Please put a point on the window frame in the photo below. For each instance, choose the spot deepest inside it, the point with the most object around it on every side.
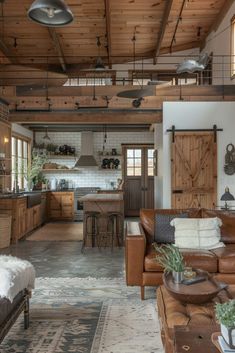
(23, 139)
(232, 48)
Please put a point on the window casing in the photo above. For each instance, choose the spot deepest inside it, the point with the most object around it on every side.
(20, 161)
(233, 47)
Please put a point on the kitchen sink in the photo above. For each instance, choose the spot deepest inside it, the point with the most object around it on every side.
(33, 199)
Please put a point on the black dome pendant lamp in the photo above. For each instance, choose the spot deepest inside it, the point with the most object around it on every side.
(51, 13)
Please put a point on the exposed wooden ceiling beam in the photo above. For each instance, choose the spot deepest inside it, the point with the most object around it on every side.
(7, 52)
(177, 24)
(166, 14)
(108, 31)
(57, 47)
(180, 47)
(107, 116)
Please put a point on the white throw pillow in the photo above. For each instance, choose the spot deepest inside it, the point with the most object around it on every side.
(197, 233)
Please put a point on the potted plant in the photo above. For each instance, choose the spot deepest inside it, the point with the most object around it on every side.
(225, 314)
(171, 260)
(34, 175)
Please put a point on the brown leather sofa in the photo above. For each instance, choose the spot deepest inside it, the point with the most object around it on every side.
(142, 269)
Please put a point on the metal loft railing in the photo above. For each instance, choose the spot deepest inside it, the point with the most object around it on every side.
(43, 72)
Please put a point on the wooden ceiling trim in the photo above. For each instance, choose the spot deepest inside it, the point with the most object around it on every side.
(57, 47)
(108, 31)
(167, 11)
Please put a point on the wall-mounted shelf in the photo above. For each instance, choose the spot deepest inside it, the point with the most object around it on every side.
(54, 156)
(110, 169)
(60, 170)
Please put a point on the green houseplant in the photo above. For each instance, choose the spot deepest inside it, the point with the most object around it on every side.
(225, 314)
(171, 259)
(34, 175)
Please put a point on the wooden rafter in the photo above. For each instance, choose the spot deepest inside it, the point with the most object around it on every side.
(57, 47)
(177, 24)
(108, 31)
(166, 14)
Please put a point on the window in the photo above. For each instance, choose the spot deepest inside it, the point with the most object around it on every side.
(134, 162)
(233, 47)
(20, 161)
(150, 161)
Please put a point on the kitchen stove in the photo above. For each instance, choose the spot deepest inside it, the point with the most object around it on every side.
(78, 206)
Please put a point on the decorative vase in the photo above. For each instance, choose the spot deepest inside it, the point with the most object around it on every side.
(178, 276)
(228, 334)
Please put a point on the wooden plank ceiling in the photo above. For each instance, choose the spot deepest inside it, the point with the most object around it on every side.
(153, 21)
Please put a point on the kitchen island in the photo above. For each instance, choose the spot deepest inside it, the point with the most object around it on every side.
(104, 204)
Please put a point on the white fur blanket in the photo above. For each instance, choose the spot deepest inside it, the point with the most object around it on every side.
(15, 275)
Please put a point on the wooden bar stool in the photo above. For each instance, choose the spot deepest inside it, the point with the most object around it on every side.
(115, 224)
(91, 228)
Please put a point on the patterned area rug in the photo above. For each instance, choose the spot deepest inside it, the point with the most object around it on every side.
(75, 315)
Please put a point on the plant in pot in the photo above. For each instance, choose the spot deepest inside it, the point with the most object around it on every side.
(34, 175)
(225, 314)
(171, 259)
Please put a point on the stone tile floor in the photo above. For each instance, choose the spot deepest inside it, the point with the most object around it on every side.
(64, 259)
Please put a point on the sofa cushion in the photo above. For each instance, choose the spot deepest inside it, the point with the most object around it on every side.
(228, 224)
(147, 217)
(226, 258)
(197, 233)
(164, 232)
(203, 259)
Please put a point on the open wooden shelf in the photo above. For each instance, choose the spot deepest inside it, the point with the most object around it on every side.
(60, 170)
(53, 156)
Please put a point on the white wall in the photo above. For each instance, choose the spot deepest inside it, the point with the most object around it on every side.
(198, 115)
(158, 180)
(93, 176)
(219, 42)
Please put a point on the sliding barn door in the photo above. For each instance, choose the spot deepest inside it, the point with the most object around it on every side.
(194, 170)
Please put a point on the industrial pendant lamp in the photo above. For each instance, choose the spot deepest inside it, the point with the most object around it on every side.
(46, 136)
(99, 66)
(51, 13)
(140, 92)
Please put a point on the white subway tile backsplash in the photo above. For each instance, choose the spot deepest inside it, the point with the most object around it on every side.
(93, 176)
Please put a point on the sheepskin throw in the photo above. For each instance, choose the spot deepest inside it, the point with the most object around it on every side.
(197, 233)
(15, 275)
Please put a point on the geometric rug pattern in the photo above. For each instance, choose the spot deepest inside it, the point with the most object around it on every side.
(87, 315)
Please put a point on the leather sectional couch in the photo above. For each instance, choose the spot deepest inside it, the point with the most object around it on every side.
(142, 269)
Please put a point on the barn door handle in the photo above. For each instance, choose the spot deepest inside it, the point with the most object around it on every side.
(177, 192)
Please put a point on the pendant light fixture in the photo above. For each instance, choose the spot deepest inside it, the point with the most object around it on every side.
(46, 136)
(99, 66)
(141, 92)
(51, 13)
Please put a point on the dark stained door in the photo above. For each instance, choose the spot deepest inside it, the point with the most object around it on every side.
(138, 178)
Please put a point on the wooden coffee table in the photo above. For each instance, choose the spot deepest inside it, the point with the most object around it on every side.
(194, 339)
(197, 293)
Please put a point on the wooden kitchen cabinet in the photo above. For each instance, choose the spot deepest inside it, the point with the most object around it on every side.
(43, 210)
(21, 217)
(61, 205)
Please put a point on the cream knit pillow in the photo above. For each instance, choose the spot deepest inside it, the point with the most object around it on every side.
(197, 233)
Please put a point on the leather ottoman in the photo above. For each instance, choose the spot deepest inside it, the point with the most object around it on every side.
(174, 313)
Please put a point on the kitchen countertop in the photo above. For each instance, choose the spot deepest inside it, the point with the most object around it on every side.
(102, 197)
(26, 193)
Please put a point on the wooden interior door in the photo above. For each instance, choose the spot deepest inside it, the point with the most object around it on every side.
(194, 170)
(138, 178)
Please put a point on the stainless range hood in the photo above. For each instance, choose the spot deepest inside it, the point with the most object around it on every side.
(86, 159)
